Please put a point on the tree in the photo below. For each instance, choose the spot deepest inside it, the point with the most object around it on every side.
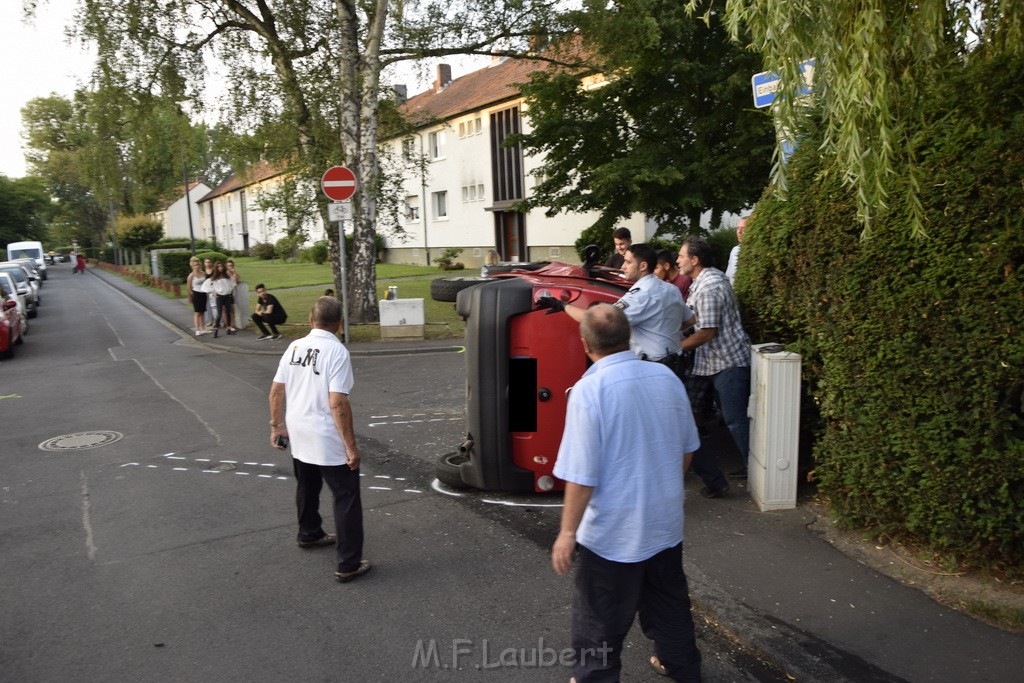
(24, 209)
(873, 64)
(136, 232)
(660, 122)
(312, 67)
(108, 150)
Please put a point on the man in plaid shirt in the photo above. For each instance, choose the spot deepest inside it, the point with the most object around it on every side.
(722, 356)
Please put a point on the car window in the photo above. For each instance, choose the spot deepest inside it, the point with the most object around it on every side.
(16, 272)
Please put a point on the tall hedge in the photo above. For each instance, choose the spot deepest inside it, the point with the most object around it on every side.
(914, 348)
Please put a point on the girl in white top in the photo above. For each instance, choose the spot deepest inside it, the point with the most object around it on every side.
(196, 296)
(223, 286)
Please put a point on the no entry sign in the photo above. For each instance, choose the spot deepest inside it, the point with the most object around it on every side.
(338, 183)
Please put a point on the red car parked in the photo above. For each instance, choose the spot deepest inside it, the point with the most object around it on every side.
(520, 362)
(10, 324)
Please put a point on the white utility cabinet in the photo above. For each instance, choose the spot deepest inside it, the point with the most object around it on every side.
(774, 427)
(401, 319)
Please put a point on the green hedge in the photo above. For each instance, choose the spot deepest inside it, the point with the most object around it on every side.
(914, 348)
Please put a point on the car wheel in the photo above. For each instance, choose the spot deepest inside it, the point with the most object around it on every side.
(21, 339)
(9, 353)
(33, 312)
(448, 472)
(448, 288)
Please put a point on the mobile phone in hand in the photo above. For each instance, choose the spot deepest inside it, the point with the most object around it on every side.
(281, 442)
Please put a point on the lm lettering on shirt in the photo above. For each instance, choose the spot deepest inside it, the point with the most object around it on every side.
(307, 360)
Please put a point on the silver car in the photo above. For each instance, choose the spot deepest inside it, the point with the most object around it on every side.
(24, 284)
(9, 289)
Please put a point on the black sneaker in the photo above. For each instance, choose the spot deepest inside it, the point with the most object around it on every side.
(276, 337)
(328, 539)
(709, 492)
(345, 577)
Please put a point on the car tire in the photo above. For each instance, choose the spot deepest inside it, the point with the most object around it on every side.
(448, 288)
(448, 472)
(33, 312)
(21, 339)
(9, 353)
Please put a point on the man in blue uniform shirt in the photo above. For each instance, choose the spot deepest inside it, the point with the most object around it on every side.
(654, 308)
(623, 460)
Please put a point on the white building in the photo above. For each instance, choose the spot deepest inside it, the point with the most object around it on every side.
(462, 197)
(175, 216)
(231, 212)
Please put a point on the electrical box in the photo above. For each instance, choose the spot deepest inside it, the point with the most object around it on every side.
(774, 426)
(401, 319)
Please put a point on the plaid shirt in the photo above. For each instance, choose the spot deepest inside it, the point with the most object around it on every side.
(714, 303)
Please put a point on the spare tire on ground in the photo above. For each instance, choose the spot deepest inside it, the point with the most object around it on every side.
(448, 288)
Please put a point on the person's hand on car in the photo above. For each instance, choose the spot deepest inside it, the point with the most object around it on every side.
(556, 305)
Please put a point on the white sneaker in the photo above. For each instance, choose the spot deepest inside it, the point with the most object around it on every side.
(264, 337)
(276, 336)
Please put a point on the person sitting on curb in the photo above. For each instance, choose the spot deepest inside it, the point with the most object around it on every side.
(269, 313)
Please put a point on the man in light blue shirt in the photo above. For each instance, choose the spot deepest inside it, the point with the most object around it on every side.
(623, 459)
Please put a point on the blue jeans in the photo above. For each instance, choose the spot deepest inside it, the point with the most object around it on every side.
(732, 390)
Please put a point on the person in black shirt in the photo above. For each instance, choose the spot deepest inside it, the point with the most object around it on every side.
(269, 313)
(622, 238)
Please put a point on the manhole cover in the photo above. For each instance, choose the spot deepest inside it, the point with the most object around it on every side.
(80, 441)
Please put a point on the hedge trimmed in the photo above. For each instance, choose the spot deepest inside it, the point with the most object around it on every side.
(914, 348)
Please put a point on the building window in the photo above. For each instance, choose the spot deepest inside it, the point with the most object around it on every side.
(478, 126)
(412, 209)
(506, 162)
(435, 142)
(440, 202)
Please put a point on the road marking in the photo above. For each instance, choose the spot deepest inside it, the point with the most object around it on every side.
(90, 545)
(184, 405)
(10, 396)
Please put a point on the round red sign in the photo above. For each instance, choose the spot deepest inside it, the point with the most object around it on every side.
(338, 183)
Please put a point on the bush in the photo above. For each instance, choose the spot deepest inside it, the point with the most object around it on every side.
(912, 346)
(263, 251)
(315, 254)
(287, 247)
(174, 265)
(447, 260)
(212, 255)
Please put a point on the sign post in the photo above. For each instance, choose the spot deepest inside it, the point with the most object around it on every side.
(339, 184)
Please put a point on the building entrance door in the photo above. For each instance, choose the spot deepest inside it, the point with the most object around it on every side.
(510, 235)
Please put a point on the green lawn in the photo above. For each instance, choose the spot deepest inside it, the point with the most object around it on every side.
(281, 277)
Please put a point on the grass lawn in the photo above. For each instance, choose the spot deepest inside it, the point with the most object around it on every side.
(280, 277)
(442, 322)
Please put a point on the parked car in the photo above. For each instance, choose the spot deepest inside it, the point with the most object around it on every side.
(10, 324)
(24, 285)
(32, 268)
(8, 285)
(520, 364)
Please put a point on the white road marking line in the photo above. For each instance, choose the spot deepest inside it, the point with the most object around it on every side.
(436, 485)
(250, 463)
(246, 474)
(90, 545)
(129, 464)
(212, 471)
(379, 488)
(510, 503)
(174, 457)
(266, 464)
(153, 467)
(180, 469)
(265, 476)
(202, 460)
(411, 491)
(168, 454)
(233, 462)
(381, 476)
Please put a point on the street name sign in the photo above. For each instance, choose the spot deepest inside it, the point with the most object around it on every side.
(766, 84)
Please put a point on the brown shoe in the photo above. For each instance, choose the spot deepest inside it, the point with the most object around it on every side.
(328, 539)
(345, 577)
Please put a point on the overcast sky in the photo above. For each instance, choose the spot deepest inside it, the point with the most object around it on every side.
(35, 60)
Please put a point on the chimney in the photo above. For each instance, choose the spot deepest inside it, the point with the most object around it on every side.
(401, 93)
(444, 77)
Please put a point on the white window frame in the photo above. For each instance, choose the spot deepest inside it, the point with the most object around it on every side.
(439, 205)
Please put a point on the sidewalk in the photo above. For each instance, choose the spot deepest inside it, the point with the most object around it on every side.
(768, 577)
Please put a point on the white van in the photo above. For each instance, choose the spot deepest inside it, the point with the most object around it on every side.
(32, 250)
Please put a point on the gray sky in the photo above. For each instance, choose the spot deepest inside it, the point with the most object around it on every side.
(35, 60)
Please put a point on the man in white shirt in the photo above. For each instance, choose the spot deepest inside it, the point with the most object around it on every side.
(314, 378)
(734, 255)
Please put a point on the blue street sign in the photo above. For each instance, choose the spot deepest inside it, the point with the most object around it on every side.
(766, 84)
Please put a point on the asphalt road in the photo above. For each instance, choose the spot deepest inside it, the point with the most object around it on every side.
(154, 541)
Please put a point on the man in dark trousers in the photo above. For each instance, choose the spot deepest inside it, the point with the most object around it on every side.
(269, 313)
(314, 378)
(623, 458)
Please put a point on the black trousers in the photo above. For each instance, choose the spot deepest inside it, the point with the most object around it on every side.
(273, 320)
(348, 508)
(606, 598)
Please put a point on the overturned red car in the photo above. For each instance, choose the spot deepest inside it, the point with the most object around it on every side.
(520, 363)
